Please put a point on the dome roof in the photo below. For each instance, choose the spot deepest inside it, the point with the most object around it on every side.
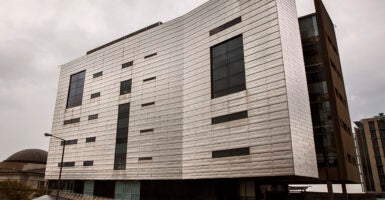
(29, 156)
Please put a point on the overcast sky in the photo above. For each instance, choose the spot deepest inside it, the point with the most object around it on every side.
(36, 36)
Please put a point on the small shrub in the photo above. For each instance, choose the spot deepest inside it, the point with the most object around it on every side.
(40, 192)
(14, 190)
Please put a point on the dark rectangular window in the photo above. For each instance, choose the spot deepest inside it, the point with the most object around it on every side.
(94, 95)
(121, 137)
(67, 164)
(227, 67)
(125, 87)
(127, 64)
(75, 91)
(226, 26)
(149, 79)
(90, 139)
(92, 117)
(98, 74)
(381, 124)
(371, 125)
(71, 121)
(148, 104)
(88, 163)
(146, 130)
(69, 142)
(151, 55)
(145, 158)
(231, 152)
(229, 117)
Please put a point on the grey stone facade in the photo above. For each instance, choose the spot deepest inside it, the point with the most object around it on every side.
(278, 128)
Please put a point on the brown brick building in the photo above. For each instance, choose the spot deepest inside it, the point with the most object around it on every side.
(330, 112)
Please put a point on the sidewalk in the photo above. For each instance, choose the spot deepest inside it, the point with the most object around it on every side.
(49, 197)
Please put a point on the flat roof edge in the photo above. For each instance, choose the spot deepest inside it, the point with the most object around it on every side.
(125, 37)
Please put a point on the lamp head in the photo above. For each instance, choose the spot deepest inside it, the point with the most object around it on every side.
(47, 134)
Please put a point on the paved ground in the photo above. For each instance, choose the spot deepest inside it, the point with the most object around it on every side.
(48, 197)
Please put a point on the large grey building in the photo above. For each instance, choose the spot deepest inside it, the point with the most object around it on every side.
(212, 104)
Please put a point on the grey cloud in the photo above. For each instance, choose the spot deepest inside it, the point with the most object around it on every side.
(36, 36)
(360, 32)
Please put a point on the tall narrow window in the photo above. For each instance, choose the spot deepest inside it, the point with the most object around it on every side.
(125, 87)
(227, 67)
(75, 92)
(121, 137)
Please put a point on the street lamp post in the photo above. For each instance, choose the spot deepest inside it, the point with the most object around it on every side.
(61, 162)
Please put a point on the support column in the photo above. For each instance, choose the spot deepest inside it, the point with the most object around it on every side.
(330, 190)
(344, 190)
